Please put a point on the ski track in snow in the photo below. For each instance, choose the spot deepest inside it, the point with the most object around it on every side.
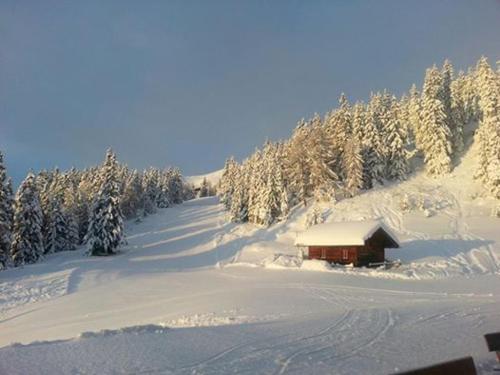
(26, 291)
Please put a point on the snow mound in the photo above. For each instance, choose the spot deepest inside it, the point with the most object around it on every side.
(134, 330)
(214, 320)
(282, 261)
(315, 265)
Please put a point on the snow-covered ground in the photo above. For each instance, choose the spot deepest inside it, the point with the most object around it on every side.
(192, 293)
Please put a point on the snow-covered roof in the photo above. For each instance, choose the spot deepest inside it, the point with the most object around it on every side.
(342, 233)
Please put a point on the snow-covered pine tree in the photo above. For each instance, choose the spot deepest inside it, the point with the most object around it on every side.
(373, 144)
(105, 233)
(204, 188)
(414, 119)
(471, 96)
(257, 183)
(175, 185)
(353, 153)
(404, 120)
(459, 110)
(267, 197)
(70, 181)
(163, 198)
(397, 167)
(353, 162)
(297, 166)
(446, 99)
(55, 229)
(384, 109)
(55, 238)
(6, 215)
(153, 188)
(43, 182)
(27, 238)
(226, 184)
(435, 136)
(82, 207)
(320, 158)
(488, 133)
(188, 192)
(364, 130)
(338, 127)
(151, 191)
(132, 198)
(314, 217)
(148, 204)
(282, 182)
(72, 234)
(238, 211)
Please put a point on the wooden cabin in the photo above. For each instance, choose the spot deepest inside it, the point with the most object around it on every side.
(356, 242)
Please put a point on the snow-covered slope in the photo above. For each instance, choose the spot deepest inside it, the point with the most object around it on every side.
(213, 178)
(445, 226)
(192, 293)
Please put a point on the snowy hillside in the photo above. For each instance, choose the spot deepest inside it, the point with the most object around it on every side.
(213, 178)
(192, 293)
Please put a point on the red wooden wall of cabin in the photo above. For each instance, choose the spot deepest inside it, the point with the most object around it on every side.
(357, 255)
(335, 254)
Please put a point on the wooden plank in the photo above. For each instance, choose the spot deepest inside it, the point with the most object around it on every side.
(462, 366)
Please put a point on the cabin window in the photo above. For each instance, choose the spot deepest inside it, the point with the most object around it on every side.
(345, 254)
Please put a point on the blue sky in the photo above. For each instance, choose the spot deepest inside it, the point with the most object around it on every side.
(189, 83)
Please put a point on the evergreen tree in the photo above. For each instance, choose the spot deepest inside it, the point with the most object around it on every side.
(55, 238)
(436, 135)
(488, 134)
(257, 182)
(204, 188)
(163, 198)
(338, 127)
(132, 201)
(238, 211)
(227, 182)
(297, 166)
(446, 99)
(27, 239)
(372, 141)
(105, 233)
(459, 110)
(268, 197)
(315, 217)
(6, 215)
(175, 185)
(69, 195)
(281, 181)
(151, 191)
(414, 117)
(320, 158)
(396, 138)
(82, 210)
(353, 153)
(354, 167)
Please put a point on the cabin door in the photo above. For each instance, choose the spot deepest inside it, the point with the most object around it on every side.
(323, 253)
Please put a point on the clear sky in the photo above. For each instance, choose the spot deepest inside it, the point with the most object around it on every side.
(188, 83)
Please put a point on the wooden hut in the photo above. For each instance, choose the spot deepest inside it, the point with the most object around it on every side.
(356, 242)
